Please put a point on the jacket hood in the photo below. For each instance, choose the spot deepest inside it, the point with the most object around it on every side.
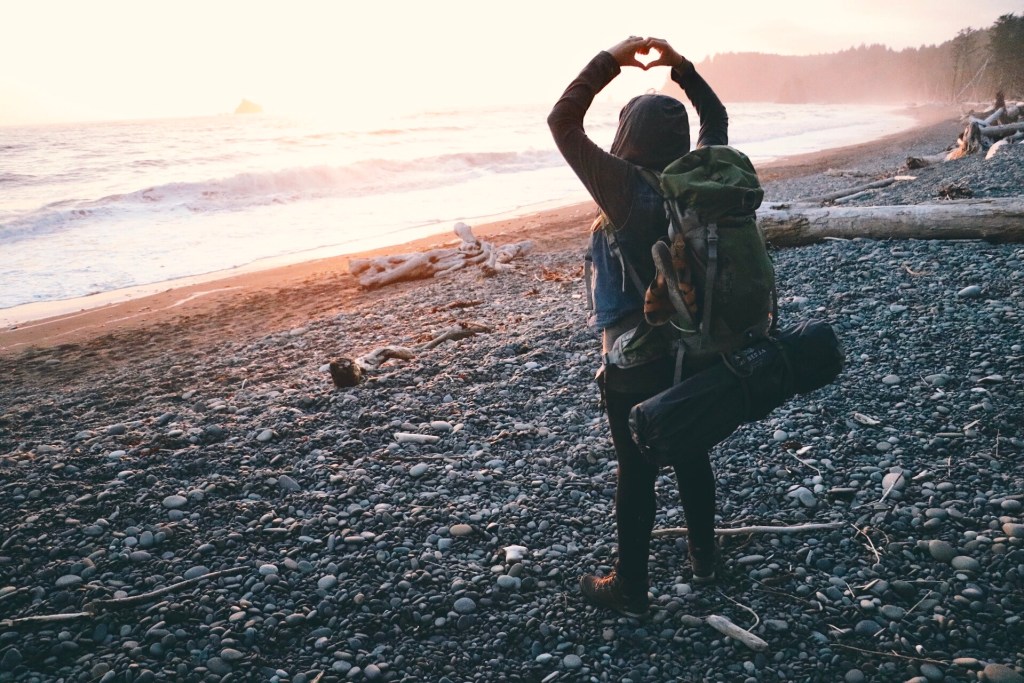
(654, 131)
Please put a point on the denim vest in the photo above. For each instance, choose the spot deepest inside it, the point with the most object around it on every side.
(615, 295)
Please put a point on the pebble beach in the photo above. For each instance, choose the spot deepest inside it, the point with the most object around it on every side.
(430, 524)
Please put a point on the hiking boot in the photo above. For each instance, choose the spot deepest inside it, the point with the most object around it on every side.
(611, 592)
(702, 562)
(680, 292)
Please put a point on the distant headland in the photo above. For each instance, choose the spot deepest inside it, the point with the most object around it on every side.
(247, 107)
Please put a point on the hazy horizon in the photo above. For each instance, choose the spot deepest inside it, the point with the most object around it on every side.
(124, 60)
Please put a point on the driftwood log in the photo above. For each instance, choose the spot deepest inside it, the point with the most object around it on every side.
(385, 270)
(1003, 122)
(348, 372)
(724, 626)
(996, 220)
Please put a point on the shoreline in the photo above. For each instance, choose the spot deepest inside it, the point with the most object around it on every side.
(79, 320)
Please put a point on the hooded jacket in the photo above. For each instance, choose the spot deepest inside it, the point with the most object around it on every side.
(653, 131)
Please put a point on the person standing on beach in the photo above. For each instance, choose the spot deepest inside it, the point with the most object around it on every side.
(653, 131)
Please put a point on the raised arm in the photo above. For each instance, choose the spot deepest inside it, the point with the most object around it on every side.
(714, 120)
(604, 175)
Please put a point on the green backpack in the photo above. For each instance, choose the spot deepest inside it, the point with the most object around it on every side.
(710, 196)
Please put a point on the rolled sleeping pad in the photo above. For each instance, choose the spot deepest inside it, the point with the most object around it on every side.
(695, 415)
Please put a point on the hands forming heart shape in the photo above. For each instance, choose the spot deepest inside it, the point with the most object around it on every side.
(645, 53)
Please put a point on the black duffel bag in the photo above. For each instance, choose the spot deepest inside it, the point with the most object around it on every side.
(702, 410)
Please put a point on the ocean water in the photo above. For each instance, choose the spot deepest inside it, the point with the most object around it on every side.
(98, 207)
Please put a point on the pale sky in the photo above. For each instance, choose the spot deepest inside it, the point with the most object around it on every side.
(80, 60)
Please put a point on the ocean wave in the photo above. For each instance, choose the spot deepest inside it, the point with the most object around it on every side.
(262, 188)
(14, 178)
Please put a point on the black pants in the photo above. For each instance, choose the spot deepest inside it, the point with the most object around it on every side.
(635, 500)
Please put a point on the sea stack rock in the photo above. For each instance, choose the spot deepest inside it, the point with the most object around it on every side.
(247, 107)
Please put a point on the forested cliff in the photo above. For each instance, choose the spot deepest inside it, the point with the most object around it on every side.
(970, 67)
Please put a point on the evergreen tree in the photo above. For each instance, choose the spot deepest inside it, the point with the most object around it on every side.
(1006, 49)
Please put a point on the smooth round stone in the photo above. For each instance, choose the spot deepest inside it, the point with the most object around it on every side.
(867, 627)
(805, 497)
(288, 484)
(965, 563)
(883, 446)
(327, 582)
(459, 530)
(854, 676)
(507, 582)
(999, 673)
(780, 435)
(267, 569)
(1013, 530)
(465, 606)
(894, 480)
(938, 379)
(218, 666)
(230, 654)
(194, 572)
(891, 380)
(931, 672)
(969, 292)
(418, 470)
(1011, 505)
(175, 502)
(893, 612)
(941, 551)
(265, 435)
(372, 672)
(68, 581)
(572, 662)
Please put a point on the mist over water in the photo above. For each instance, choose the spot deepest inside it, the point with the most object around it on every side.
(98, 207)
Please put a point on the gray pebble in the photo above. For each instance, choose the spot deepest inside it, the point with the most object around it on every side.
(572, 662)
(1000, 673)
(68, 581)
(941, 550)
(969, 292)
(965, 563)
(175, 502)
(465, 606)
(287, 483)
(1013, 530)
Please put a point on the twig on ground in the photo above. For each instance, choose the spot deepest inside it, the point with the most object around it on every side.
(885, 493)
(726, 627)
(871, 544)
(891, 654)
(743, 530)
(757, 619)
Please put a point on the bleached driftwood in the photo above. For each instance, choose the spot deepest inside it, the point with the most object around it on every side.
(997, 219)
(726, 627)
(348, 372)
(412, 437)
(378, 272)
(979, 134)
(374, 359)
(99, 606)
(744, 530)
(877, 184)
(460, 331)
